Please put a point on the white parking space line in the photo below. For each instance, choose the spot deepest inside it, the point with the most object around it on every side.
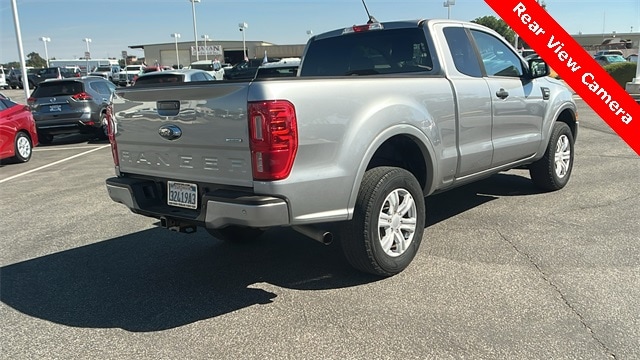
(53, 163)
(56, 148)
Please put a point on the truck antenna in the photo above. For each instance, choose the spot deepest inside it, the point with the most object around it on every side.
(371, 18)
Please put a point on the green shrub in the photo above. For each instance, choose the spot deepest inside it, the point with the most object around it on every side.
(622, 72)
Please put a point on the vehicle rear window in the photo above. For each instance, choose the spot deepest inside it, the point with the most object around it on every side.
(160, 79)
(369, 53)
(58, 88)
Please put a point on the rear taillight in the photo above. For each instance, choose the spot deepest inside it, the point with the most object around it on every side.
(81, 96)
(31, 100)
(273, 138)
(111, 132)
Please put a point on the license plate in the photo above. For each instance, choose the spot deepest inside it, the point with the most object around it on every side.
(183, 195)
(53, 108)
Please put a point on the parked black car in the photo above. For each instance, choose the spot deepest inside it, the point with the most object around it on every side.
(14, 77)
(73, 105)
(246, 69)
(43, 74)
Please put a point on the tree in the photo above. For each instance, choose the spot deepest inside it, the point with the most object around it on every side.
(498, 25)
(34, 59)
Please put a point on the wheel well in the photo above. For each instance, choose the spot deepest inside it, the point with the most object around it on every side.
(403, 152)
(568, 117)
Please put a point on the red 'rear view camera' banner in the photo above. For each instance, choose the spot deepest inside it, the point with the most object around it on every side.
(574, 65)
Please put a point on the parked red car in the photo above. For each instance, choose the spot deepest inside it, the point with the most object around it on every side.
(18, 134)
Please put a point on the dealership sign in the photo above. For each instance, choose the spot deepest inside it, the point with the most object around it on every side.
(574, 65)
(207, 50)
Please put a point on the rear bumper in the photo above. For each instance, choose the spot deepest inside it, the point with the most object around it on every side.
(72, 126)
(217, 209)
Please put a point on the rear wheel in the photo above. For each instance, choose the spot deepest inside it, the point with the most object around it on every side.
(388, 222)
(23, 147)
(553, 170)
(103, 132)
(236, 234)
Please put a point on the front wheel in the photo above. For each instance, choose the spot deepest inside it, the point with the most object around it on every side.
(553, 170)
(388, 222)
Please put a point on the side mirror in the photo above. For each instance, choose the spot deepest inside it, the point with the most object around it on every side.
(538, 68)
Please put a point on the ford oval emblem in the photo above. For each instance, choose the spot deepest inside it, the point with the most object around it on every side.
(170, 132)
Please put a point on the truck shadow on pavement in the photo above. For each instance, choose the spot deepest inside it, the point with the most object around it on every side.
(155, 279)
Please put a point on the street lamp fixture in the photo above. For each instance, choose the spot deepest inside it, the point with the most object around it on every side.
(45, 40)
(448, 4)
(205, 37)
(88, 54)
(310, 33)
(176, 36)
(195, 31)
(243, 26)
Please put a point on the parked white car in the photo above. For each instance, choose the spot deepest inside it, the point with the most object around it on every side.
(130, 72)
(3, 79)
(213, 67)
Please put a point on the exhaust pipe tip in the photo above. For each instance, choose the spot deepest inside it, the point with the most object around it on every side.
(322, 236)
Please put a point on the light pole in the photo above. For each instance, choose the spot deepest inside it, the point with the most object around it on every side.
(205, 37)
(87, 55)
(45, 40)
(176, 36)
(87, 40)
(243, 26)
(310, 33)
(448, 4)
(195, 31)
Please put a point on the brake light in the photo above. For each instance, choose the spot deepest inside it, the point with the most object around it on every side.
(111, 133)
(273, 138)
(363, 28)
(81, 96)
(31, 100)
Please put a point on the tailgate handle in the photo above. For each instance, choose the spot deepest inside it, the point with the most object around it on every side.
(168, 108)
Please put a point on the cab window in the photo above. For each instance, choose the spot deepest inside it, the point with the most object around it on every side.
(497, 57)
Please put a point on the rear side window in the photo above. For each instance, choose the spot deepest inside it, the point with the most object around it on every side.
(58, 88)
(369, 53)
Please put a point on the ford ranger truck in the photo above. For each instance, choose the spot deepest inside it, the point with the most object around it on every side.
(378, 117)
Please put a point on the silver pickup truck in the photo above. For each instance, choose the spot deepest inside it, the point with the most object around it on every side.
(380, 116)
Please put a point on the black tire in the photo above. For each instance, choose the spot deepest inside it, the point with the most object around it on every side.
(45, 139)
(553, 170)
(103, 132)
(236, 234)
(23, 147)
(361, 239)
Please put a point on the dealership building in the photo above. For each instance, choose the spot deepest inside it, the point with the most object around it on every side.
(226, 51)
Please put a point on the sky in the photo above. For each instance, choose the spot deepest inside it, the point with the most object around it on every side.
(114, 25)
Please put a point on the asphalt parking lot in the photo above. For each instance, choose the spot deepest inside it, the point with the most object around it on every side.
(504, 272)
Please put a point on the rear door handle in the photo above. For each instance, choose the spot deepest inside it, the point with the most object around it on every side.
(502, 93)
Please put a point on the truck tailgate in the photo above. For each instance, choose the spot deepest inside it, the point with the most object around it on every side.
(197, 132)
